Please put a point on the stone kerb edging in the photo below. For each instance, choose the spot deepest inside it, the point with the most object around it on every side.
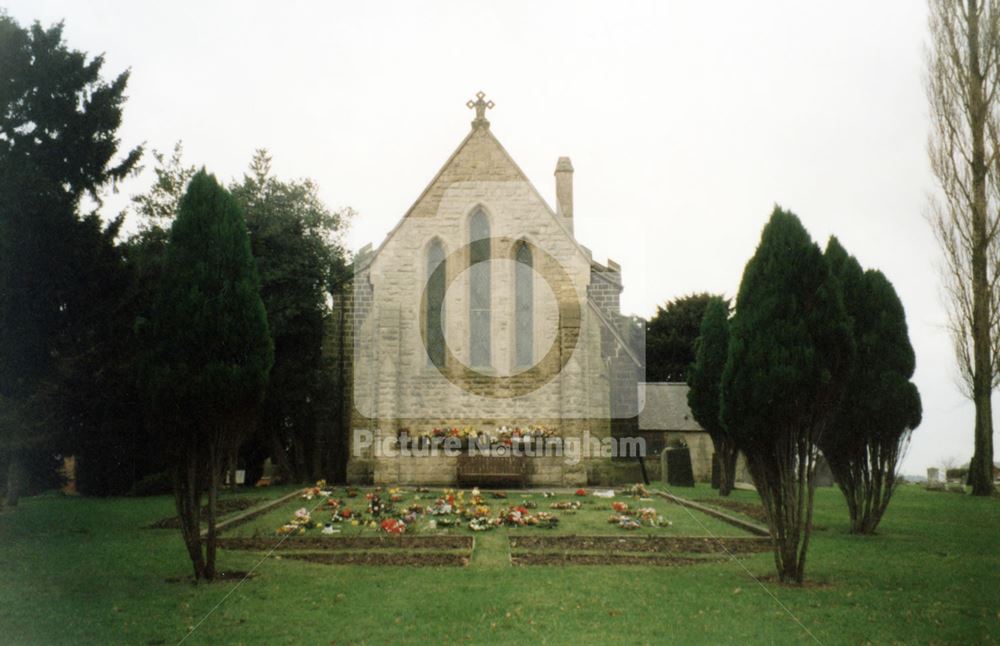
(745, 525)
(253, 512)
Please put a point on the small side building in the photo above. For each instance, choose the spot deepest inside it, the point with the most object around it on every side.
(664, 418)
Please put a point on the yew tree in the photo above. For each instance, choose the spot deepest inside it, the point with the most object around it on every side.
(59, 120)
(790, 350)
(670, 336)
(210, 353)
(881, 407)
(705, 380)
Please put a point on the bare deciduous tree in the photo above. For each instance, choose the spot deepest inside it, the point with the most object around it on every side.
(963, 82)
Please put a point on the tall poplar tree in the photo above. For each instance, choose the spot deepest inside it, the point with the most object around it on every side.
(964, 92)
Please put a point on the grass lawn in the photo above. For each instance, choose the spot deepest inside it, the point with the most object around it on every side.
(76, 570)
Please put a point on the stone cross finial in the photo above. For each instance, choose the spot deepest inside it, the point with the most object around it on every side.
(481, 107)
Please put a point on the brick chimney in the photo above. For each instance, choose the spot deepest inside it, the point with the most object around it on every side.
(564, 191)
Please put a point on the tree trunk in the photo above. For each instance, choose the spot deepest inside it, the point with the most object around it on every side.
(15, 479)
(187, 499)
(214, 470)
(727, 466)
(278, 454)
(981, 466)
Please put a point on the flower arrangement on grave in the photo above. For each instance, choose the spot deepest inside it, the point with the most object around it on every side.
(300, 522)
(507, 435)
(581, 492)
(440, 433)
(515, 516)
(441, 507)
(375, 507)
(475, 511)
(393, 526)
(484, 524)
(638, 490)
(319, 490)
(620, 507)
(290, 529)
(565, 504)
(651, 517)
(542, 519)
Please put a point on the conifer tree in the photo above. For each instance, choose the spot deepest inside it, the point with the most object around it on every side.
(705, 379)
(210, 352)
(58, 143)
(881, 406)
(789, 353)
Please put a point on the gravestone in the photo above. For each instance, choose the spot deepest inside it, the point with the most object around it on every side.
(824, 476)
(934, 481)
(677, 469)
(268, 477)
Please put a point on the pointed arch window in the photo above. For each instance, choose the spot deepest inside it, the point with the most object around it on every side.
(435, 303)
(479, 290)
(524, 293)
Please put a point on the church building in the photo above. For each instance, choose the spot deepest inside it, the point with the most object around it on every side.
(481, 317)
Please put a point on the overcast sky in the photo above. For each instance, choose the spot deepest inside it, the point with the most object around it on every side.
(686, 123)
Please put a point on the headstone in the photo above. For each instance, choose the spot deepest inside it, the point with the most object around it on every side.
(267, 477)
(934, 481)
(679, 472)
(824, 476)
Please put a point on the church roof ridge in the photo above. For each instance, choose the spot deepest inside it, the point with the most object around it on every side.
(478, 127)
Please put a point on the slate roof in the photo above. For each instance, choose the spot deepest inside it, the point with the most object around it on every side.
(664, 407)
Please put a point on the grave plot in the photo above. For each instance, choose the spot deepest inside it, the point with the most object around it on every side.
(421, 551)
(420, 526)
(632, 550)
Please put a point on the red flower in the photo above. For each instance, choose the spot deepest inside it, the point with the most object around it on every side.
(393, 526)
(345, 513)
(581, 492)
